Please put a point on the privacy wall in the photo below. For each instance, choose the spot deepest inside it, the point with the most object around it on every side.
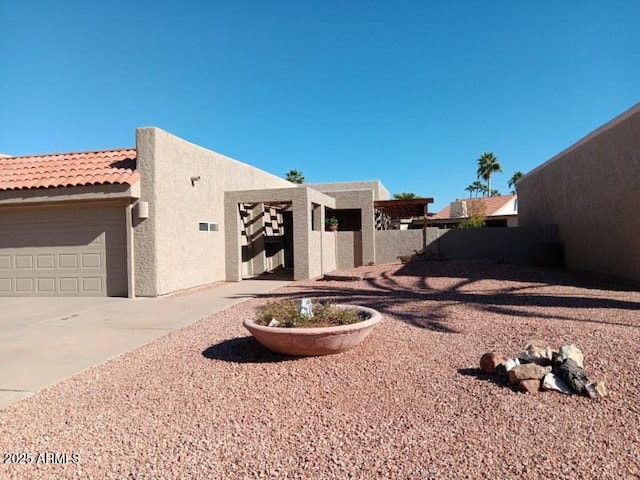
(592, 192)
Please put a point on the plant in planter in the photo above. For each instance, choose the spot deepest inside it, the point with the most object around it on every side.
(303, 329)
(332, 223)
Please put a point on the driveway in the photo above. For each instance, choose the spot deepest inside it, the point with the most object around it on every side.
(45, 340)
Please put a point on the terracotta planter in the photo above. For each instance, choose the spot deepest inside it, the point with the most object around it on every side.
(332, 228)
(315, 341)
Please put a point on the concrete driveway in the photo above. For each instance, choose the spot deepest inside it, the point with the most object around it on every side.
(45, 340)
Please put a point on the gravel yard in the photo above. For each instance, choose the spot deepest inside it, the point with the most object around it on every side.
(207, 402)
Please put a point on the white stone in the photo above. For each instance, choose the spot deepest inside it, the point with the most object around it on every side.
(553, 382)
(573, 352)
(273, 323)
(512, 362)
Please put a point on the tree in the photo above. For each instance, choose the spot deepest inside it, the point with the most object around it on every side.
(294, 176)
(513, 180)
(477, 187)
(495, 193)
(487, 165)
(476, 214)
(404, 196)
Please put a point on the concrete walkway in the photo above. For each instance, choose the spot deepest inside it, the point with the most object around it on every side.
(45, 340)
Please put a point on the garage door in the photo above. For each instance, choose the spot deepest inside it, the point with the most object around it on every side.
(63, 252)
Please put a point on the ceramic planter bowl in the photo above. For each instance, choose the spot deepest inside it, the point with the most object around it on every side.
(315, 341)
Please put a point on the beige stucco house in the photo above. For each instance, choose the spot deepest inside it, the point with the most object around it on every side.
(168, 216)
(590, 191)
(499, 211)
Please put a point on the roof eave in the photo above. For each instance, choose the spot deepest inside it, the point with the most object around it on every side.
(70, 194)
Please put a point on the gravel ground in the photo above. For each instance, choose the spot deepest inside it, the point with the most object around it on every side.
(208, 402)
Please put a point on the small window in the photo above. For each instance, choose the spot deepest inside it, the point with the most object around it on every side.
(213, 227)
(203, 226)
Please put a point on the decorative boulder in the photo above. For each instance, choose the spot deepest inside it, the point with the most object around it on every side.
(512, 362)
(572, 352)
(553, 382)
(490, 361)
(601, 389)
(538, 351)
(528, 371)
(529, 386)
(573, 376)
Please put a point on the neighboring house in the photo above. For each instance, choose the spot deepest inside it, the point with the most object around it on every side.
(168, 216)
(500, 211)
(590, 191)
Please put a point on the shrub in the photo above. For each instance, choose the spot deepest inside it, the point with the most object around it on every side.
(324, 315)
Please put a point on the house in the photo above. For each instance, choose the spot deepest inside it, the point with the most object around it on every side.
(499, 211)
(590, 191)
(168, 216)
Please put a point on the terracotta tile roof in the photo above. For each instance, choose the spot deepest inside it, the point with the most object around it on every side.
(491, 205)
(69, 170)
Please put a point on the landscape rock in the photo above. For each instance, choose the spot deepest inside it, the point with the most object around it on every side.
(512, 362)
(538, 351)
(601, 388)
(573, 375)
(553, 382)
(571, 352)
(273, 323)
(490, 361)
(528, 371)
(529, 386)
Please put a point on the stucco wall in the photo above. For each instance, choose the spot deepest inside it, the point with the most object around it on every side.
(329, 254)
(512, 244)
(379, 190)
(171, 253)
(591, 191)
(349, 249)
(363, 200)
(315, 261)
(391, 244)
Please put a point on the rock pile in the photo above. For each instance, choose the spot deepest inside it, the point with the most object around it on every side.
(541, 367)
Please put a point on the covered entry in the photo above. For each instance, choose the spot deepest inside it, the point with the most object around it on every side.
(254, 243)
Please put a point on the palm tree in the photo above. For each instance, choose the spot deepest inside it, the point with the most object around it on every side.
(477, 187)
(471, 189)
(404, 196)
(513, 180)
(294, 176)
(487, 165)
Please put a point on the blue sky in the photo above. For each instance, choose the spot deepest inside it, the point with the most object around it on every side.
(410, 93)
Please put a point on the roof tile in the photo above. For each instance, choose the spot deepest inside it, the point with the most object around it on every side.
(491, 205)
(69, 170)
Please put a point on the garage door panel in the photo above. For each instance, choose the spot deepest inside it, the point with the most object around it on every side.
(25, 285)
(24, 262)
(45, 261)
(92, 284)
(77, 254)
(46, 285)
(92, 260)
(5, 285)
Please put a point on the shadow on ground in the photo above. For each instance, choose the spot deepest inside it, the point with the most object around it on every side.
(243, 350)
(485, 377)
(524, 287)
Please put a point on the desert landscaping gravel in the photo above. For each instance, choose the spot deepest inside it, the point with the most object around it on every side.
(207, 402)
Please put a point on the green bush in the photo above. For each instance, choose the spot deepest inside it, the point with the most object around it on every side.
(324, 315)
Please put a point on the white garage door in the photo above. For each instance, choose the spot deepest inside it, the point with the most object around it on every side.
(77, 251)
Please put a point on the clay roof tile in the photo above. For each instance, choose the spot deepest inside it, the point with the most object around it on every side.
(69, 169)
